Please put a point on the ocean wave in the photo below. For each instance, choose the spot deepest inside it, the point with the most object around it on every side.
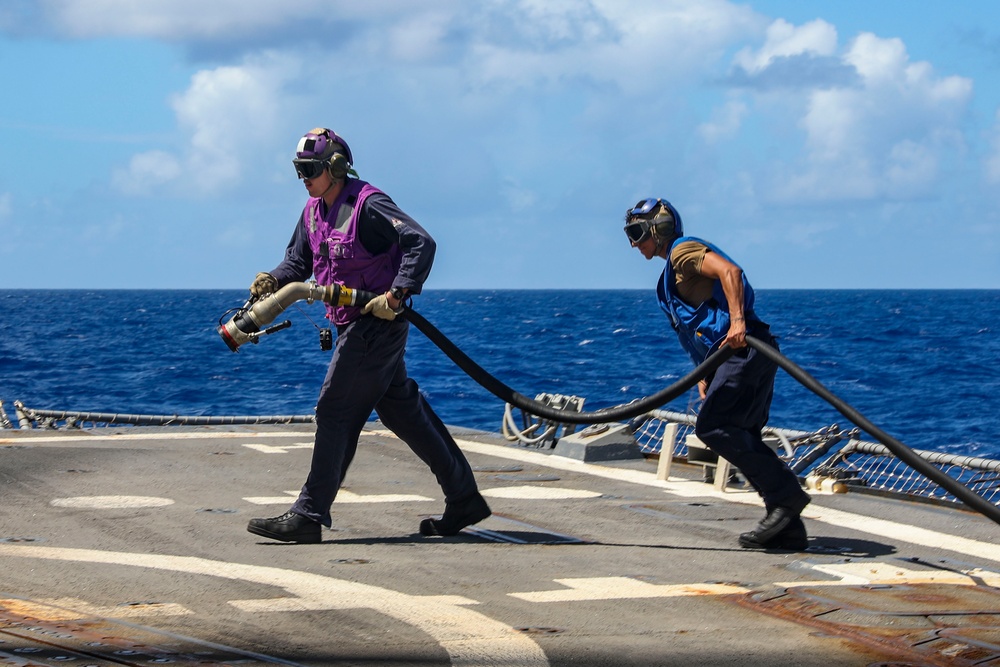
(157, 351)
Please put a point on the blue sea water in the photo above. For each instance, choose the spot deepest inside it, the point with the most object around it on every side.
(920, 364)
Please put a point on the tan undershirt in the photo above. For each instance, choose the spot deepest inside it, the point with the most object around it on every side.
(686, 258)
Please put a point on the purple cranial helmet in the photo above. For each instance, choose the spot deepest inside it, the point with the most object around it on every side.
(320, 144)
(321, 149)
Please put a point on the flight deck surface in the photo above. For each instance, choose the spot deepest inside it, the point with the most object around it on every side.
(128, 546)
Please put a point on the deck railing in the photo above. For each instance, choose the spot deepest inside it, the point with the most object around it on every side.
(830, 458)
(835, 459)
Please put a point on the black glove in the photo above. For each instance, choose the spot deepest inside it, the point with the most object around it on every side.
(263, 284)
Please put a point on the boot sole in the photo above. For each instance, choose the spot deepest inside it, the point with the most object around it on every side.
(780, 543)
(432, 527)
(298, 539)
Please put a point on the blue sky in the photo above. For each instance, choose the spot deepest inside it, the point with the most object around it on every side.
(147, 144)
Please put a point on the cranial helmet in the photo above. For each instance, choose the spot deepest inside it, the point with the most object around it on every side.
(322, 149)
(656, 217)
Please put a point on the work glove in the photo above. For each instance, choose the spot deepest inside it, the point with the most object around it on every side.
(263, 284)
(379, 307)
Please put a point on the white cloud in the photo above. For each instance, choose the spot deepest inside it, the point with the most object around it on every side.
(147, 171)
(725, 122)
(225, 114)
(468, 65)
(6, 212)
(992, 165)
(419, 37)
(544, 91)
(911, 167)
(223, 111)
(220, 19)
(638, 47)
(816, 38)
(884, 134)
(877, 60)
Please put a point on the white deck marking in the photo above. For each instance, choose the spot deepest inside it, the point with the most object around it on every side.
(70, 609)
(861, 574)
(903, 532)
(538, 493)
(848, 574)
(469, 637)
(122, 434)
(882, 528)
(451, 599)
(289, 497)
(269, 500)
(623, 588)
(278, 449)
(111, 502)
(343, 496)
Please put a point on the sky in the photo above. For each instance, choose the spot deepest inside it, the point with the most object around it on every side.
(147, 144)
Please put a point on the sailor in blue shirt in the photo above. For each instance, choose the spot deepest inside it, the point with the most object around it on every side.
(710, 303)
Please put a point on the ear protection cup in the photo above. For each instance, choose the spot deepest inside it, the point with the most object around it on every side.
(338, 166)
(338, 162)
(663, 225)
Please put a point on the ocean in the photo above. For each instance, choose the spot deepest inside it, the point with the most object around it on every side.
(920, 364)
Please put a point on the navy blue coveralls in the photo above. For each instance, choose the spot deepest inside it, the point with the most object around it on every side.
(367, 371)
(738, 400)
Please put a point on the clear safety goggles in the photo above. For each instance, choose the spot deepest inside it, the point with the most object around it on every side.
(638, 230)
(309, 168)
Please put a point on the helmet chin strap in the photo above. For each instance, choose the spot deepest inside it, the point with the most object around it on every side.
(333, 184)
(661, 243)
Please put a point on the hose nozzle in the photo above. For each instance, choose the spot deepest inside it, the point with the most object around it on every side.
(247, 324)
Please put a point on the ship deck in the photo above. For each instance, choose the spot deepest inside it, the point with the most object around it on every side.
(128, 546)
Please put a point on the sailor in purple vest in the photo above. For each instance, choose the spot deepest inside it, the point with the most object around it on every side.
(353, 234)
(710, 304)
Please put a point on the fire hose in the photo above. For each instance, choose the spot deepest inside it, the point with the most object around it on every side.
(247, 325)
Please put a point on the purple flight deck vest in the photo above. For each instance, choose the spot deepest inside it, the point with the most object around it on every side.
(338, 254)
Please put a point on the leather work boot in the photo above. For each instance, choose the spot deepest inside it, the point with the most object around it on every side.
(289, 527)
(781, 520)
(457, 516)
(792, 538)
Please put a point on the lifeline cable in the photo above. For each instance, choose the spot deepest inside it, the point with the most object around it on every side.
(641, 406)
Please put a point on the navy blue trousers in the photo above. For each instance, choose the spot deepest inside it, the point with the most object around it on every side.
(368, 372)
(736, 408)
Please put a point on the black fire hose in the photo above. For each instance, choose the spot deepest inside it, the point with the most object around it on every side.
(641, 406)
(899, 450)
(602, 416)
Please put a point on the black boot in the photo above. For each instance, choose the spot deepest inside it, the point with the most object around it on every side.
(289, 527)
(792, 538)
(781, 528)
(457, 515)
